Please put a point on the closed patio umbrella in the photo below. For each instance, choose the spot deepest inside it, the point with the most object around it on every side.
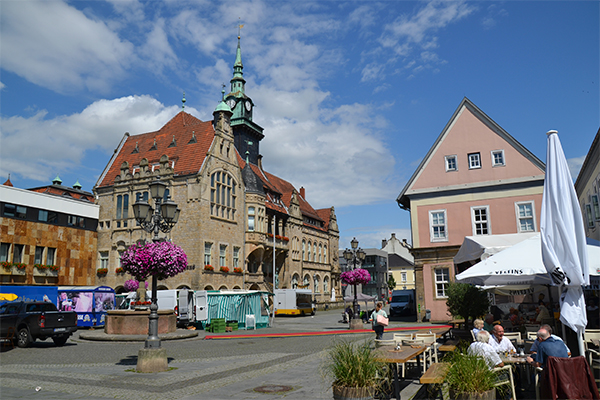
(563, 241)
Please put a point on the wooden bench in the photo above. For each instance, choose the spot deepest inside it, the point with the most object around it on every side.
(449, 345)
(436, 375)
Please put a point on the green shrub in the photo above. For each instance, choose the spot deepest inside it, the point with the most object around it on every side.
(353, 365)
(469, 373)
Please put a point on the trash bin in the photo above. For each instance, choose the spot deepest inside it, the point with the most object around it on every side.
(427, 315)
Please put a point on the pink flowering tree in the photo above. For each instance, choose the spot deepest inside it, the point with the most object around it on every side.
(131, 285)
(161, 260)
(357, 276)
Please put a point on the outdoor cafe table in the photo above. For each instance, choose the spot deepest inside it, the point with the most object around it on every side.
(390, 355)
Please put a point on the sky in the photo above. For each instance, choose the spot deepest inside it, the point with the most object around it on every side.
(351, 94)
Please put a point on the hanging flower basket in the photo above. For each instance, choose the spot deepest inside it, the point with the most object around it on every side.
(131, 285)
(224, 269)
(119, 270)
(162, 259)
(357, 276)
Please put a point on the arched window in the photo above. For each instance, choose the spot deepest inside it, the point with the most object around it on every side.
(306, 281)
(317, 288)
(315, 253)
(303, 250)
(222, 195)
(326, 284)
(320, 252)
(295, 279)
(325, 254)
(309, 252)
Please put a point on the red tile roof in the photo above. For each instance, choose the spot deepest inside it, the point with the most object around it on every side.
(60, 190)
(284, 189)
(188, 156)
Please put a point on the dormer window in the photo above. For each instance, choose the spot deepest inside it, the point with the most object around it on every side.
(474, 160)
(497, 158)
(451, 163)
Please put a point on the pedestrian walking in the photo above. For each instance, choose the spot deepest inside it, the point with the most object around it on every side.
(379, 319)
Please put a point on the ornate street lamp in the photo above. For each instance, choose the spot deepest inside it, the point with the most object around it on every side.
(354, 256)
(162, 218)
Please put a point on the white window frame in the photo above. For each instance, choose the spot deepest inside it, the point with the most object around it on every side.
(472, 157)
(519, 218)
(251, 219)
(432, 237)
(236, 257)
(446, 162)
(487, 220)
(222, 255)
(207, 253)
(443, 282)
(494, 163)
(403, 277)
(104, 259)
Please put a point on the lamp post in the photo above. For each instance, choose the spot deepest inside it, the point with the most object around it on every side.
(162, 218)
(354, 256)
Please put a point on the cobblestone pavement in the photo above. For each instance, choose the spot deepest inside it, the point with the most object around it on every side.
(256, 368)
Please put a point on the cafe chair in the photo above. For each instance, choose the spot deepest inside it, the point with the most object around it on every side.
(532, 327)
(513, 335)
(593, 357)
(426, 355)
(532, 335)
(430, 339)
(473, 335)
(507, 379)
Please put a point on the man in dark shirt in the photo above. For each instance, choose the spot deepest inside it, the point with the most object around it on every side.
(548, 346)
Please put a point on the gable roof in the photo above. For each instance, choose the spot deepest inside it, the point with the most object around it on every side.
(284, 190)
(184, 139)
(466, 104)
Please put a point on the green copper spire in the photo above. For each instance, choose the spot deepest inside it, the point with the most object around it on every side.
(237, 82)
(57, 180)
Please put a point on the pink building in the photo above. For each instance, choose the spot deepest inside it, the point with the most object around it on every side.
(476, 179)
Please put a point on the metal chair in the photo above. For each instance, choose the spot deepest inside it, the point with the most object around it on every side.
(508, 381)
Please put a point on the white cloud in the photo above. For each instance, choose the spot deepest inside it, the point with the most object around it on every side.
(56, 46)
(575, 165)
(60, 144)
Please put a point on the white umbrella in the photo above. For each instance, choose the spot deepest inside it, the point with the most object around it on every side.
(563, 237)
(520, 264)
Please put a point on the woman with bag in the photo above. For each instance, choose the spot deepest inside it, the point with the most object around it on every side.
(379, 319)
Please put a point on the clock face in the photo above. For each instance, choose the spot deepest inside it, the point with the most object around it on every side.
(231, 103)
(248, 105)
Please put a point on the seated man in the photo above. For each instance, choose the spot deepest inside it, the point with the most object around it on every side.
(534, 346)
(498, 342)
(548, 346)
(482, 348)
(542, 313)
(488, 324)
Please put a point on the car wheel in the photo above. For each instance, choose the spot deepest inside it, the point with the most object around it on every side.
(60, 340)
(23, 338)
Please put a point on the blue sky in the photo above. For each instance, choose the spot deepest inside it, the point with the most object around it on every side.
(352, 94)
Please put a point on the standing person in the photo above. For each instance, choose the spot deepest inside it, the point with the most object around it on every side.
(376, 326)
(498, 342)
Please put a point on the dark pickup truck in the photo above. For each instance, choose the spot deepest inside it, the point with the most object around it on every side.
(37, 320)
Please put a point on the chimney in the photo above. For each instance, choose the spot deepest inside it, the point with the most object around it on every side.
(303, 193)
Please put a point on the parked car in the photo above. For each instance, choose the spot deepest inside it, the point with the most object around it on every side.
(403, 303)
(37, 320)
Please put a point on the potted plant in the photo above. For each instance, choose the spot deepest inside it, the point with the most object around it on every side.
(41, 267)
(53, 268)
(469, 377)
(102, 271)
(237, 270)
(7, 265)
(355, 371)
(224, 269)
(209, 267)
(119, 270)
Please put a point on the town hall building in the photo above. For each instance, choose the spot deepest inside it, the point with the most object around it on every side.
(240, 226)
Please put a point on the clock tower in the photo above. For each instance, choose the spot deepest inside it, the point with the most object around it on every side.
(247, 134)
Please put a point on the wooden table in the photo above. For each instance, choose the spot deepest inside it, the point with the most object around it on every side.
(390, 355)
(449, 345)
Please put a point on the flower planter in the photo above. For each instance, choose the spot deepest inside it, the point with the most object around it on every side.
(17, 271)
(343, 393)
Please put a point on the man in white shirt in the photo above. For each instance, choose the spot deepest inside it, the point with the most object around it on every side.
(498, 342)
(482, 348)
